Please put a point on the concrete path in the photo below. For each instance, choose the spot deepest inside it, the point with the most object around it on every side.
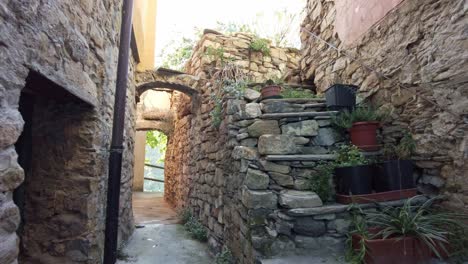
(164, 244)
(161, 240)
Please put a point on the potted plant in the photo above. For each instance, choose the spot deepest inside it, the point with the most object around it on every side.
(362, 124)
(396, 172)
(271, 89)
(407, 234)
(341, 97)
(353, 173)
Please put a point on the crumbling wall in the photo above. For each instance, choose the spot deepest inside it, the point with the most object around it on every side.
(200, 172)
(74, 45)
(422, 45)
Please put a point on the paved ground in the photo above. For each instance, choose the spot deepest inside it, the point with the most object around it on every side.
(161, 240)
(150, 208)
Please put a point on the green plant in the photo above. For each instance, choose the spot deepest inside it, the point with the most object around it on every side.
(184, 214)
(216, 54)
(260, 45)
(420, 221)
(321, 181)
(224, 257)
(156, 139)
(235, 88)
(217, 111)
(346, 119)
(403, 150)
(349, 155)
(196, 229)
(288, 92)
(360, 228)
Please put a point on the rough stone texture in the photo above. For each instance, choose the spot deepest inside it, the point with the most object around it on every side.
(299, 199)
(309, 226)
(256, 180)
(276, 144)
(262, 127)
(72, 46)
(303, 128)
(206, 167)
(420, 44)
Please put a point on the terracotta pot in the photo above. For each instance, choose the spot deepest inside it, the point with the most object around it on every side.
(364, 135)
(270, 92)
(407, 250)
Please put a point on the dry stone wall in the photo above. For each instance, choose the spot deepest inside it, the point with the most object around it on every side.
(200, 171)
(422, 45)
(72, 46)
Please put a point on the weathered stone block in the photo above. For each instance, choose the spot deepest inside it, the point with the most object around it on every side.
(302, 128)
(276, 144)
(249, 142)
(299, 199)
(241, 152)
(282, 179)
(262, 127)
(252, 110)
(251, 94)
(259, 199)
(326, 137)
(340, 225)
(11, 126)
(309, 226)
(273, 167)
(256, 180)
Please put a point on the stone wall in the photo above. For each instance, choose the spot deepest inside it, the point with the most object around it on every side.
(200, 171)
(422, 45)
(72, 48)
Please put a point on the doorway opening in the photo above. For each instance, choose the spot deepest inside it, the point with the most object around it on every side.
(54, 198)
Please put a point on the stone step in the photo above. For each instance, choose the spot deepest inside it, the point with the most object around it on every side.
(299, 199)
(305, 157)
(298, 114)
(296, 100)
(316, 105)
(340, 208)
(313, 257)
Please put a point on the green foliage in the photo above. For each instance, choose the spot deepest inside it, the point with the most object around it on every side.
(433, 227)
(403, 150)
(288, 92)
(216, 54)
(358, 227)
(225, 257)
(346, 119)
(184, 215)
(196, 229)
(179, 54)
(350, 155)
(260, 45)
(156, 139)
(235, 88)
(231, 27)
(321, 181)
(217, 111)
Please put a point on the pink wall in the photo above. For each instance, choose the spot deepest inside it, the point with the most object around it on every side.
(355, 17)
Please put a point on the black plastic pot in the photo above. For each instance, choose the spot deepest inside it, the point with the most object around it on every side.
(354, 180)
(341, 97)
(394, 175)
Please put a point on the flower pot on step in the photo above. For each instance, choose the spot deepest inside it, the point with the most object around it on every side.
(364, 135)
(394, 175)
(271, 92)
(401, 250)
(354, 180)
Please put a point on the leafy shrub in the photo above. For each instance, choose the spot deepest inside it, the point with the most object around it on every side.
(288, 92)
(346, 119)
(184, 215)
(235, 88)
(321, 181)
(260, 45)
(196, 229)
(349, 155)
(403, 150)
(217, 111)
(224, 257)
(216, 54)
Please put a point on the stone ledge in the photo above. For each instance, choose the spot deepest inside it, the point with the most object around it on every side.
(340, 208)
(307, 157)
(295, 100)
(297, 114)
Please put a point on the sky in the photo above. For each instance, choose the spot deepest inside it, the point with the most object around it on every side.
(178, 18)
